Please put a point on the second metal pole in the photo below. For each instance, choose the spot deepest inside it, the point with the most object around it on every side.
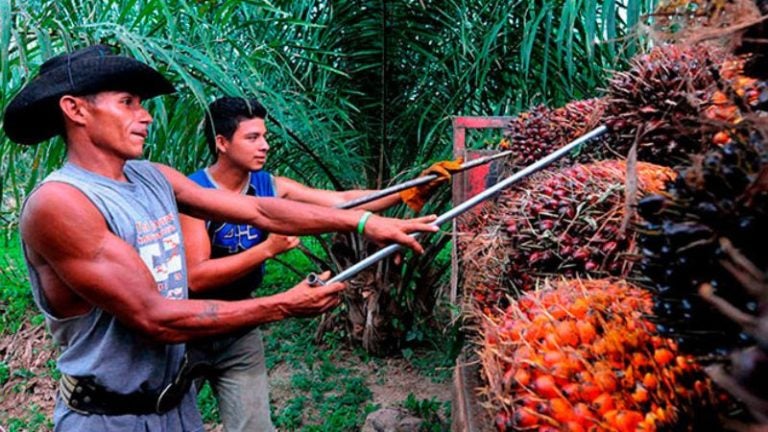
(466, 205)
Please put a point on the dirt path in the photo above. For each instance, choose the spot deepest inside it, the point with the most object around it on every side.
(27, 397)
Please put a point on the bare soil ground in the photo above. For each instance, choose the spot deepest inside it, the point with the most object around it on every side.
(390, 384)
(27, 355)
(30, 389)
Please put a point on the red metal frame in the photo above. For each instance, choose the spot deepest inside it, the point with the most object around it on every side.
(473, 181)
(470, 182)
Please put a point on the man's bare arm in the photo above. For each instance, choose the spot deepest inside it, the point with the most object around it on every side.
(288, 217)
(293, 190)
(66, 233)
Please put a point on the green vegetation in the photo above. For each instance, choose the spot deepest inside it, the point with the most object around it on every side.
(35, 420)
(207, 403)
(15, 297)
(429, 410)
(5, 373)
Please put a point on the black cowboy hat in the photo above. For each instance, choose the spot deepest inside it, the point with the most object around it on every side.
(34, 114)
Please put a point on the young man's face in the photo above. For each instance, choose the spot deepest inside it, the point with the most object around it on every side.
(118, 122)
(248, 147)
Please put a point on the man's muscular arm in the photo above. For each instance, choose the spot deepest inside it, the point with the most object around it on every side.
(84, 261)
(288, 217)
(295, 191)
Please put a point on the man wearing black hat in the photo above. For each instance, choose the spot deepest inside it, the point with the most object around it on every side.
(103, 247)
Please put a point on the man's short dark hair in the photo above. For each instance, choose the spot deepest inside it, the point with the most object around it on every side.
(225, 114)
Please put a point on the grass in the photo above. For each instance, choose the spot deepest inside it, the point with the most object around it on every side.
(16, 302)
(429, 410)
(35, 420)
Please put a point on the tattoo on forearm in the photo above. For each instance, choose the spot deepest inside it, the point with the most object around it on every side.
(211, 312)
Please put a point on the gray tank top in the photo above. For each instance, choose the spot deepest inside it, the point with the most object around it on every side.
(143, 212)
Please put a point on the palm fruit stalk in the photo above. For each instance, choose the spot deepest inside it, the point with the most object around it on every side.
(565, 222)
(660, 101)
(580, 355)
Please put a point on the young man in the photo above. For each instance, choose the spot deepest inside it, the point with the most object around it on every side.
(226, 260)
(103, 247)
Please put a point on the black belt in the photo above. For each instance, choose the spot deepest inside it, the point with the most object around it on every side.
(84, 395)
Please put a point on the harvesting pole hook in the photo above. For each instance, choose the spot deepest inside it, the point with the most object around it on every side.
(418, 181)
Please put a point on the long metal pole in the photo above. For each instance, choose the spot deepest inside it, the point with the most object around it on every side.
(417, 182)
(466, 205)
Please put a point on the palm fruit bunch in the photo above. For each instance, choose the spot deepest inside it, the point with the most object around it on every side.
(659, 103)
(540, 131)
(715, 210)
(581, 356)
(565, 222)
(737, 96)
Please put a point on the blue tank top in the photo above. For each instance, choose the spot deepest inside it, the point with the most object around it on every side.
(142, 212)
(231, 238)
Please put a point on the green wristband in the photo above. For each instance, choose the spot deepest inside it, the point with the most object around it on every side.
(363, 220)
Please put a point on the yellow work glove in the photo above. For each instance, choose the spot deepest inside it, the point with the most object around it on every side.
(416, 196)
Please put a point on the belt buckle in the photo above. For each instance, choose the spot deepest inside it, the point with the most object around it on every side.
(68, 387)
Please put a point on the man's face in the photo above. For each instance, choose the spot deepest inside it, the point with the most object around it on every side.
(248, 147)
(118, 122)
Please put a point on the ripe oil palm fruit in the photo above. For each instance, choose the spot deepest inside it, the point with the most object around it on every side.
(540, 131)
(581, 355)
(558, 222)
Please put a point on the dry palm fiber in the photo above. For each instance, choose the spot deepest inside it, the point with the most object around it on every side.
(484, 259)
(662, 100)
(580, 355)
(564, 222)
(723, 195)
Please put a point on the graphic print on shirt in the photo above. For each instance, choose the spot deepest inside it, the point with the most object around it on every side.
(160, 249)
(235, 238)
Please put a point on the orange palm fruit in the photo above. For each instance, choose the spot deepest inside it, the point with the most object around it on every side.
(627, 378)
